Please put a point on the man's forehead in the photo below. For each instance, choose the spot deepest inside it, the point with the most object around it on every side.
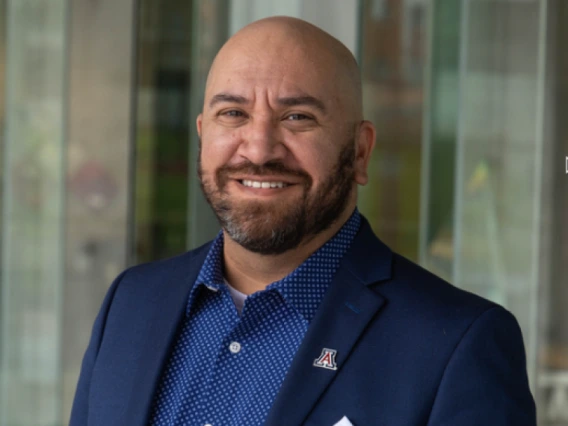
(277, 85)
(272, 65)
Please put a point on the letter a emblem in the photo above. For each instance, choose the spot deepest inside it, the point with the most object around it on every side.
(326, 359)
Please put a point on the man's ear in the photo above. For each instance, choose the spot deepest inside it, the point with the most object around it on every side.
(199, 122)
(363, 149)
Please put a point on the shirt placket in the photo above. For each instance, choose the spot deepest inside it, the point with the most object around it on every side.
(234, 359)
(210, 408)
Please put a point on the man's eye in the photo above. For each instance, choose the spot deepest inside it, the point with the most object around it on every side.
(297, 117)
(232, 113)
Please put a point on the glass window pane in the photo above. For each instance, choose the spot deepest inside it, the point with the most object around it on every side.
(162, 128)
(32, 200)
(438, 186)
(552, 366)
(393, 55)
(498, 155)
(98, 165)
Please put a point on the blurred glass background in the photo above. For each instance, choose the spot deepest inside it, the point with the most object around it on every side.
(98, 156)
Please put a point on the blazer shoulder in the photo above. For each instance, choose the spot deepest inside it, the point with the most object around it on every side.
(425, 296)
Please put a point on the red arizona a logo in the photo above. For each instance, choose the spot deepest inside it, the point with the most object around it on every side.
(326, 359)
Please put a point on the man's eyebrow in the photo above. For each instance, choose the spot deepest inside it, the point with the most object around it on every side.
(302, 100)
(227, 97)
(287, 101)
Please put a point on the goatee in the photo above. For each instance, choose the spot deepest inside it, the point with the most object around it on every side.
(274, 228)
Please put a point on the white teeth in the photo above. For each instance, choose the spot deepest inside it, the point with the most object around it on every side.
(257, 184)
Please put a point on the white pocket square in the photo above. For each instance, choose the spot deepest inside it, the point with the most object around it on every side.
(344, 422)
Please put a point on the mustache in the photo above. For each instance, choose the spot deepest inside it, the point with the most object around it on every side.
(270, 168)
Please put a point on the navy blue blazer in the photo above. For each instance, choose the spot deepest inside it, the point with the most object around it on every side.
(411, 349)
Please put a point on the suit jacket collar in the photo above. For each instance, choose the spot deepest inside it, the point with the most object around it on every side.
(348, 306)
(369, 260)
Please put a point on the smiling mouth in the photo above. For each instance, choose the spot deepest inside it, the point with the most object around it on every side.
(264, 185)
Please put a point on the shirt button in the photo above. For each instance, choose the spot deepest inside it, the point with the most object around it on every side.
(208, 424)
(235, 347)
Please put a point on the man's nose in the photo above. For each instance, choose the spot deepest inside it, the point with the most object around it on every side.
(262, 141)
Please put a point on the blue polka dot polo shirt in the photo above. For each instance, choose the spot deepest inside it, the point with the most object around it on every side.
(226, 369)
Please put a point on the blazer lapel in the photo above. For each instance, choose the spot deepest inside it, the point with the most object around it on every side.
(347, 308)
(167, 312)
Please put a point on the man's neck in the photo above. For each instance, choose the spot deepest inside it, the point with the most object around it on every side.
(250, 272)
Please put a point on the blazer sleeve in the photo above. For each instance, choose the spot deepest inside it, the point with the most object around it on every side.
(80, 409)
(485, 381)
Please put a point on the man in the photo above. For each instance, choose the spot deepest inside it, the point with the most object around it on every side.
(296, 313)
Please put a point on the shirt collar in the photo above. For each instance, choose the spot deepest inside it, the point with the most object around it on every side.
(317, 271)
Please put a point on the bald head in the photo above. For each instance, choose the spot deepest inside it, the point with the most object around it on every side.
(292, 49)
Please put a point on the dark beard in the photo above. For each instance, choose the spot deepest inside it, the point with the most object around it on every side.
(275, 229)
